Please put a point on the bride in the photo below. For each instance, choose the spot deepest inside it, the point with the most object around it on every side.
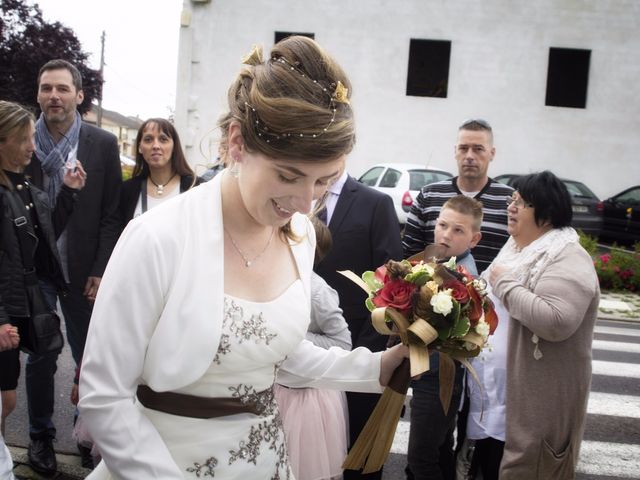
(206, 298)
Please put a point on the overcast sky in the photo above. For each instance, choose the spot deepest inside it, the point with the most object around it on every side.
(141, 49)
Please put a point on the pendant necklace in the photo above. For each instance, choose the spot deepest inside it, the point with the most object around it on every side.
(160, 187)
(248, 262)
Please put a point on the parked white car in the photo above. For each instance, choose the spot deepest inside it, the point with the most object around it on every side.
(128, 161)
(402, 182)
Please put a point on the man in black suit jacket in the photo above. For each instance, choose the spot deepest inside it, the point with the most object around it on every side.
(86, 244)
(366, 234)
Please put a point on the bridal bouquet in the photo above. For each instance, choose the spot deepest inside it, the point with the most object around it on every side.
(428, 305)
(441, 299)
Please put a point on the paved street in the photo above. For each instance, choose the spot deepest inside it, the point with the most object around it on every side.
(611, 447)
(17, 424)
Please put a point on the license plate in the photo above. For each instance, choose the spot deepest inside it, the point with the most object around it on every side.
(579, 209)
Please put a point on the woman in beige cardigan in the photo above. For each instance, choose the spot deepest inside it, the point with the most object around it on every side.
(547, 283)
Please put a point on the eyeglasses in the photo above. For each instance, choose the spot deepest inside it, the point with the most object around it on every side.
(518, 203)
(470, 121)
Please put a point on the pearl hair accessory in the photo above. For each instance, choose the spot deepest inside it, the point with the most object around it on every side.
(339, 95)
(264, 130)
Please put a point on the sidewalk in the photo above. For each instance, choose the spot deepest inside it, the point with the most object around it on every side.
(623, 306)
(619, 306)
(69, 467)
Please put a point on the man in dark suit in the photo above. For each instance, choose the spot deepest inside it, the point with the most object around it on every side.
(366, 234)
(87, 242)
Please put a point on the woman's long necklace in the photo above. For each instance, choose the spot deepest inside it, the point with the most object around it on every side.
(160, 187)
(247, 261)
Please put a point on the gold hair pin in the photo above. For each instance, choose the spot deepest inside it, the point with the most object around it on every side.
(254, 57)
(341, 94)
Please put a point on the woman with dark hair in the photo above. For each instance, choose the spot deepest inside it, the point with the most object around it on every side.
(161, 171)
(546, 291)
(206, 299)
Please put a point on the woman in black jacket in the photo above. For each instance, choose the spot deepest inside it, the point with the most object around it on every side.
(43, 227)
(161, 170)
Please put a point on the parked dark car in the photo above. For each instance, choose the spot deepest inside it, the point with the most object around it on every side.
(622, 217)
(587, 208)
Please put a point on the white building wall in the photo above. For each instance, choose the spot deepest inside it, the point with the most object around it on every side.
(498, 72)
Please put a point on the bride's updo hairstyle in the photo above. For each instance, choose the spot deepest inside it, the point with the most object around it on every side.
(293, 105)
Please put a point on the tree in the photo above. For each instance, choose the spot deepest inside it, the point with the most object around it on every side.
(27, 42)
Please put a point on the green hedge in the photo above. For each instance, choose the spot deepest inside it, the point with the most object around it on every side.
(617, 269)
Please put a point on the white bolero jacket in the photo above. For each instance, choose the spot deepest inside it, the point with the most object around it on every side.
(157, 321)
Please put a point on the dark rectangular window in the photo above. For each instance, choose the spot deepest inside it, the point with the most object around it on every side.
(568, 77)
(283, 35)
(428, 74)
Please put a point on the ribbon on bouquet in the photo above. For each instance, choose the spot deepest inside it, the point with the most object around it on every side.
(374, 442)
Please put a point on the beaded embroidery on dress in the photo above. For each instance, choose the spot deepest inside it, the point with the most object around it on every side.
(256, 338)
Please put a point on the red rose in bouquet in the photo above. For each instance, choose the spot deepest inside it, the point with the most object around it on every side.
(396, 294)
(458, 291)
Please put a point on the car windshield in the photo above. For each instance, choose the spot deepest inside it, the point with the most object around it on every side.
(420, 178)
(370, 177)
(630, 197)
(506, 179)
(577, 189)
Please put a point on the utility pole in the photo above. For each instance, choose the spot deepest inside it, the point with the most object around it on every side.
(99, 119)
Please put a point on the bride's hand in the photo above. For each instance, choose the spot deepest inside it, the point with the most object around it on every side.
(391, 359)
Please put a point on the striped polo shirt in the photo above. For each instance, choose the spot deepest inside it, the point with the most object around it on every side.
(424, 212)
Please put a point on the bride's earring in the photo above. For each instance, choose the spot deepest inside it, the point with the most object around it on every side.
(235, 169)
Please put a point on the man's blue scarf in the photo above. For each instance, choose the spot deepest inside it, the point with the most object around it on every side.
(53, 156)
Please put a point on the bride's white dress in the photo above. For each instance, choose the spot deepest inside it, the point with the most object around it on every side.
(256, 338)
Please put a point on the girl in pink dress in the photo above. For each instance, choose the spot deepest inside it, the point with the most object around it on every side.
(316, 420)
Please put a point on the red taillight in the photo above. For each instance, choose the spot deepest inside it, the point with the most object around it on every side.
(407, 201)
(600, 207)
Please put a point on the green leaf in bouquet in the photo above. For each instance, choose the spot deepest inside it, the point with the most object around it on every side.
(369, 304)
(461, 327)
(419, 278)
(370, 279)
(451, 263)
(420, 273)
(454, 315)
(444, 333)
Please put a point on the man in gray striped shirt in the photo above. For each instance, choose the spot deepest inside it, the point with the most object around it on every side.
(474, 151)
(430, 453)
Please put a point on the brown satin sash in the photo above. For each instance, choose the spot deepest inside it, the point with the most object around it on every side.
(195, 407)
